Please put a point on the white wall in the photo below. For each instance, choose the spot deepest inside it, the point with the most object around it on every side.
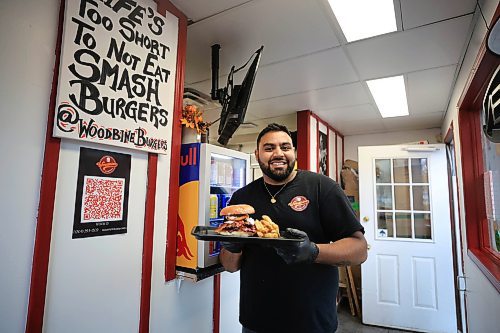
(229, 304)
(111, 280)
(483, 300)
(352, 142)
(96, 277)
(27, 42)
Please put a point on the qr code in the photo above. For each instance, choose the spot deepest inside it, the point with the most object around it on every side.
(102, 199)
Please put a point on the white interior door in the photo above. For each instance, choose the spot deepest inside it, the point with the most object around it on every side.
(407, 280)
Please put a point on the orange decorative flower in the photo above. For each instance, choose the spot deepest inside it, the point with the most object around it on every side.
(192, 117)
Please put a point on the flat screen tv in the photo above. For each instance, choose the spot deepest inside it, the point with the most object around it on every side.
(235, 98)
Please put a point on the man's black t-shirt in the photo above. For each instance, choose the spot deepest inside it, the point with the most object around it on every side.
(276, 297)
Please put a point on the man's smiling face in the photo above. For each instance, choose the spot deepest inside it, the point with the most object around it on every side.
(276, 155)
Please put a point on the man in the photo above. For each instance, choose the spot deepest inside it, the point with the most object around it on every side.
(293, 289)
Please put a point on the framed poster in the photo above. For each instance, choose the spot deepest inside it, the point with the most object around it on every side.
(102, 191)
(323, 154)
(117, 74)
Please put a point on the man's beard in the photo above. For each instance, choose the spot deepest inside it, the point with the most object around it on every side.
(277, 175)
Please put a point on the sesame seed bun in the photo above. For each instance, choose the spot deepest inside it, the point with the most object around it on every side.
(237, 210)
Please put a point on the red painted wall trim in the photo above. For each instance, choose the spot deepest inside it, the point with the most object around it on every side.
(337, 171)
(317, 146)
(303, 135)
(303, 142)
(328, 154)
(41, 250)
(216, 312)
(173, 201)
(343, 150)
(147, 244)
(472, 164)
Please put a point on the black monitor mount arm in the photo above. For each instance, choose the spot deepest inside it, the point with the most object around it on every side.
(216, 93)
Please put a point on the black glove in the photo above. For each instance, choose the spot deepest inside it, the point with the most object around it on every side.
(303, 252)
(232, 247)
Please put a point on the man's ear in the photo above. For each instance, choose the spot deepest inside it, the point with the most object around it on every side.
(256, 153)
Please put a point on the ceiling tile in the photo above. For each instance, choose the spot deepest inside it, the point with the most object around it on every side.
(421, 12)
(196, 10)
(316, 100)
(429, 90)
(286, 31)
(362, 112)
(431, 46)
(357, 127)
(339, 96)
(278, 106)
(431, 120)
(316, 71)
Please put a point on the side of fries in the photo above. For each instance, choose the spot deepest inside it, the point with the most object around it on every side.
(266, 228)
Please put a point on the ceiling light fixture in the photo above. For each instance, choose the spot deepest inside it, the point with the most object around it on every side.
(390, 96)
(361, 19)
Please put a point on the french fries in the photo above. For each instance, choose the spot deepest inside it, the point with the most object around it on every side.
(266, 228)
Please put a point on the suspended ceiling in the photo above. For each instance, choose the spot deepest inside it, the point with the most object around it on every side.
(308, 65)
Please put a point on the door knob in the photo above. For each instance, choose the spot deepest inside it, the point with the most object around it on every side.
(366, 219)
(368, 246)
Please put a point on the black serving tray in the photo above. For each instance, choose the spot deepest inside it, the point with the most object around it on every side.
(206, 233)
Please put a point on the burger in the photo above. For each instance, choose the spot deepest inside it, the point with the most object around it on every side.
(237, 221)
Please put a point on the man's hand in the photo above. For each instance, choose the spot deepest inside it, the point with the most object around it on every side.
(304, 252)
(232, 247)
(230, 258)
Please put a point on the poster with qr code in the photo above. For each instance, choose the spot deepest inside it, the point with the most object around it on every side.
(101, 193)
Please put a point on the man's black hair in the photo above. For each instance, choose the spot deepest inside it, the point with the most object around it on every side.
(272, 128)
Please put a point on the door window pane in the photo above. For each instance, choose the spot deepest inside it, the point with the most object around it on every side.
(422, 225)
(384, 197)
(419, 172)
(421, 200)
(385, 225)
(401, 172)
(402, 197)
(383, 171)
(402, 187)
(403, 225)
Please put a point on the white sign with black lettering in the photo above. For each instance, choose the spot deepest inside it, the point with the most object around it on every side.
(117, 74)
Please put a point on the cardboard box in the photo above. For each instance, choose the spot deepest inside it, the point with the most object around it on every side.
(350, 183)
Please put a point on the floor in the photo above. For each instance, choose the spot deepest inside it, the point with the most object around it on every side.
(350, 324)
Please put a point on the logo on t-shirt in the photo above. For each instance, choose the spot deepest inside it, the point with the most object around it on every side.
(299, 203)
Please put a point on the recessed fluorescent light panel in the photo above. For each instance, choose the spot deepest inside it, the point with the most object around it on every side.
(361, 19)
(390, 95)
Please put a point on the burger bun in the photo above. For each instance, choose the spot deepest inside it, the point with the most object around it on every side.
(237, 210)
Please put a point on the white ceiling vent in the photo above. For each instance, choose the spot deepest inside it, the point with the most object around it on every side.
(202, 100)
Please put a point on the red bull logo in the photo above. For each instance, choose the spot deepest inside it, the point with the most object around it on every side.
(190, 157)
